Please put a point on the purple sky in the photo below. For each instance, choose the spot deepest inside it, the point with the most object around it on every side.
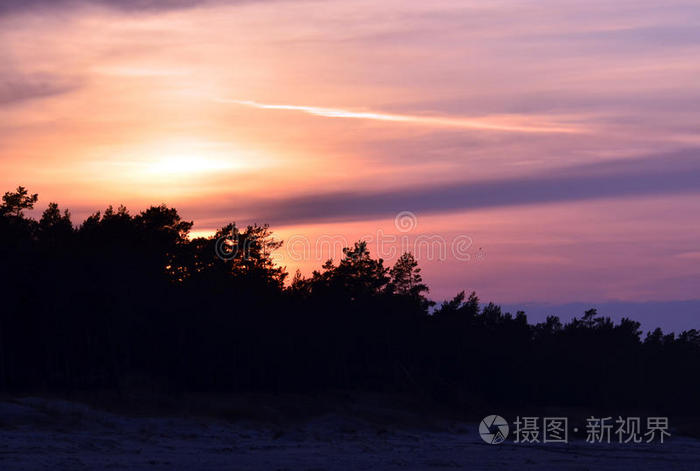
(556, 141)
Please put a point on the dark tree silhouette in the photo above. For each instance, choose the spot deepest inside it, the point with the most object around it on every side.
(128, 301)
(16, 202)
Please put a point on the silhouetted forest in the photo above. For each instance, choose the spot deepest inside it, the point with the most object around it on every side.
(125, 300)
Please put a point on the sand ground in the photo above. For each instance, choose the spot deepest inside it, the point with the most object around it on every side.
(50, 434)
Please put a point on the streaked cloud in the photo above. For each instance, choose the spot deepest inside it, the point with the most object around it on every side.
(126, 6)
(507, 123)
(609, 179)
(13, 6)
(20, 88)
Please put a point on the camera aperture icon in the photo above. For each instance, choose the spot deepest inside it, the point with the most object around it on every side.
(493, 429)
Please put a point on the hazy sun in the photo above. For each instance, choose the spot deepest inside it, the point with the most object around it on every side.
(169, 167)
(183, 165)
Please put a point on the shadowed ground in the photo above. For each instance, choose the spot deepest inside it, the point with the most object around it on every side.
(37, 433)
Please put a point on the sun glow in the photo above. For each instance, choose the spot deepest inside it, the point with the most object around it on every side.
(169, 160)
(173, 167)
(187, 165)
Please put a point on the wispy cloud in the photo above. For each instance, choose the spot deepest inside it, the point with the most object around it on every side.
(129, 6)
(39, 6)
(678, 173)
(19, 88)
(495, 123)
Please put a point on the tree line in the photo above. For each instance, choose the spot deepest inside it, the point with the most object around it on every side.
(127, 300)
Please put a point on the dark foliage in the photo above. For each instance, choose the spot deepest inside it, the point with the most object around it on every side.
(126, 300)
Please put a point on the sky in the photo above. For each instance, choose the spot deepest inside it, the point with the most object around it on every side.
(538, 152)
